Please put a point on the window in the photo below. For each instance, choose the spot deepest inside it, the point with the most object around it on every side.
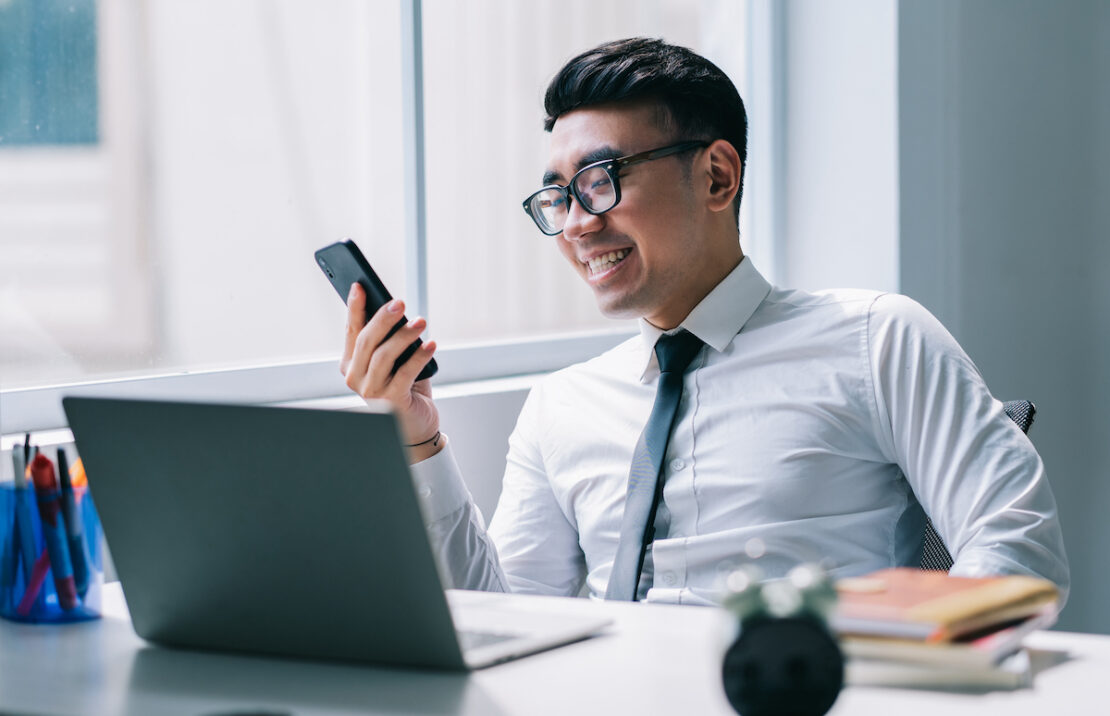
(182, 239)
(164, 222)
(74, 297)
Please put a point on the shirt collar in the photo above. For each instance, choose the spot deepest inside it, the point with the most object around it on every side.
(717, 319)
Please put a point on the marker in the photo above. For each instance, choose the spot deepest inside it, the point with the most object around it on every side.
(77, 475)
(24, 518)
(53, 530)
(38, 575)
(75, 531)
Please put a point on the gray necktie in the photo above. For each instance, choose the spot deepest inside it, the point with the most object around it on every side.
(645, 488)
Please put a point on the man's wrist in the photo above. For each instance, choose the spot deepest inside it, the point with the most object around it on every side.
(433, 440)
(418, 452)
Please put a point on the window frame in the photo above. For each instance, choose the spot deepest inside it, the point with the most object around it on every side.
(39, 408)
(765, 99)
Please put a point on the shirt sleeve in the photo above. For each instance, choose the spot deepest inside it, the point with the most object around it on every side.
(536, 540)
(531, 547)
(464, 554)
(975, 473)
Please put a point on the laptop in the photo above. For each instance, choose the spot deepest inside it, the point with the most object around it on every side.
(285, 531)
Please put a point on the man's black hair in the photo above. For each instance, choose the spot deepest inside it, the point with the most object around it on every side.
(701, 100)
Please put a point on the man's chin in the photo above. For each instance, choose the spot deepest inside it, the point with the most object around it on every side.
(617, 310)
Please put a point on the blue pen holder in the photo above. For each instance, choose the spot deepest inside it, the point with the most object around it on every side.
(28, 591)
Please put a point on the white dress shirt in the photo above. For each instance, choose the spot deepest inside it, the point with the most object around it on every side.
(813, 427)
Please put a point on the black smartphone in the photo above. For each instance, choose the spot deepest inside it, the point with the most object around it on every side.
(344, 264)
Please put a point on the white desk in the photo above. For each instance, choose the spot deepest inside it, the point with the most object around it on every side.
(653, 660)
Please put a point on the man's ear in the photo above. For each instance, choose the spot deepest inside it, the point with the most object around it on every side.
(725, 170)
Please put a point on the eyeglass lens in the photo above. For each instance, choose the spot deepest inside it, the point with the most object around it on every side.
(593, 187)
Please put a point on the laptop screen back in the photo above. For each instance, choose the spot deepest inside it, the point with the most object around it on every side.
(272, 530)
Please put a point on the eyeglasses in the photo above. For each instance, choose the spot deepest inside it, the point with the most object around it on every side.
(595, 186)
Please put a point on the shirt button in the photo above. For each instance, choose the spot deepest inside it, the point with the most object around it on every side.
(669, 579)
(677, 464)
(425, 492)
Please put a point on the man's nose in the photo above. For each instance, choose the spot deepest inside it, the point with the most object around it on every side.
(581, 222)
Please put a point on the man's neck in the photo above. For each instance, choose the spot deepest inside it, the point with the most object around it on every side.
(672, 316)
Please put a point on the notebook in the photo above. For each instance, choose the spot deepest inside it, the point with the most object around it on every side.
(284, 531)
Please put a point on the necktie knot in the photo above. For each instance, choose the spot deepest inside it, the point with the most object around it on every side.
(675, 352)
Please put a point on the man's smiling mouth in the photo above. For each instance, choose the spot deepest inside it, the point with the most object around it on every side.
(604, 262)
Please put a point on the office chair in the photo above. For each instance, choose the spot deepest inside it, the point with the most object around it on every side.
(934, 555)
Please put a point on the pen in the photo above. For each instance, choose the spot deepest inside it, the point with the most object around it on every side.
(53, 531)
(24, 519)
(75, 531)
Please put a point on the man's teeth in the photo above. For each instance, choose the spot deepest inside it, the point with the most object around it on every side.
(603, 262)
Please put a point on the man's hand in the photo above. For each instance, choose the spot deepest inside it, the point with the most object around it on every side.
(368, 359)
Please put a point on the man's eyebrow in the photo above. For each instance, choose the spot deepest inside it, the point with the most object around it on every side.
(597, 155)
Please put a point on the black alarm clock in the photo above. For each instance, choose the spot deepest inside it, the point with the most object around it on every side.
(784, 660)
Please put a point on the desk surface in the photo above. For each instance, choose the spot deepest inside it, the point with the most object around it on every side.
(653, 659)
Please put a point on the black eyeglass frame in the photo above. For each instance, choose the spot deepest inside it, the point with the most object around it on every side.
(612, 168)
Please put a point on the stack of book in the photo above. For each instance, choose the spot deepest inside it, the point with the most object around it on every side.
(907, 627)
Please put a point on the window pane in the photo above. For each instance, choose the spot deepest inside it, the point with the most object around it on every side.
(234, 140)
(491, 273)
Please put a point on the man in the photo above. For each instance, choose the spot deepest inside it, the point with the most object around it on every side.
(811, 427)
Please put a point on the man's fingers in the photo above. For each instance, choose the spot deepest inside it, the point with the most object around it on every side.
(370, 370)
(386, 355)
(362, 342)
(406, 375)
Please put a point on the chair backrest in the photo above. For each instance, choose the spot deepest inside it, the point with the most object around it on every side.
(934, 555)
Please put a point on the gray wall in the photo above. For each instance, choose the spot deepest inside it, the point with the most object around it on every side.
(1004, 131)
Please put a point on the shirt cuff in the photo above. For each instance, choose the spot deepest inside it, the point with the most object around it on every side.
(439, 485)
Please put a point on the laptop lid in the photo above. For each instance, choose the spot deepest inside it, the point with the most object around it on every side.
(279, 531)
